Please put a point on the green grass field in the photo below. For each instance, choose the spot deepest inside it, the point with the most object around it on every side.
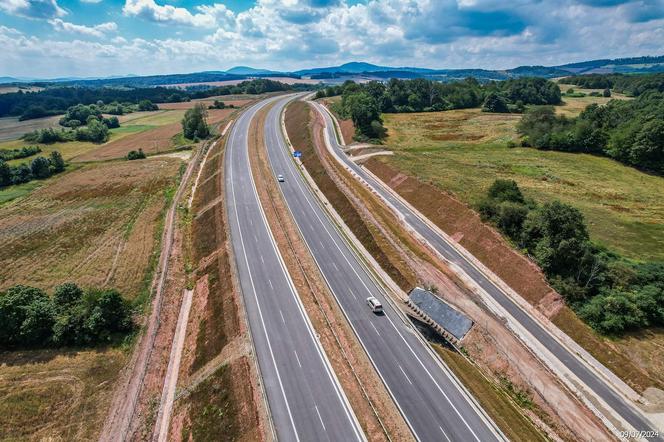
(463, 151)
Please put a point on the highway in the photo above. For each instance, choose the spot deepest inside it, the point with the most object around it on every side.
(431, 399)
(305, 399)
(588, 376)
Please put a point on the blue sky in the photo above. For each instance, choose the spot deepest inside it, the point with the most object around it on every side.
(52, 38)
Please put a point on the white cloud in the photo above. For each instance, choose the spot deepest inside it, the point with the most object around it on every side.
(150, 10)
(93, 31)
(39, 9)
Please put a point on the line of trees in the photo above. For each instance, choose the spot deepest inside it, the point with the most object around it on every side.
(364, 103)
(29, 318)
(39, 168)
(630, 131)
(56, 100)
(23, 152)
(632, 85)
(609, 292)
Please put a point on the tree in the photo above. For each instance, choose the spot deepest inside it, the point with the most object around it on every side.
(363, 111)
(56, 161)
(147, 105)
(67, 295)
(111, 122)
(136, 154)
(5, 174)
(25, 317)
(606, 92)
(648, 148)
(40, 168)
(21, 174)
(495, 103)
(194, 123)
(506, 190)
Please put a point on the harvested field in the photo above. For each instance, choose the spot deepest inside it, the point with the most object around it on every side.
(56, 395)
(12, 129)
(152, 141)
(95, 226)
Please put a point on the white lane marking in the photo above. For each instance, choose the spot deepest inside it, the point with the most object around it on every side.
(444, 434)
(298, 359)
(405, 375)
(282, 317)
(321, 419)
(258, 305)
(255, 238)
(307, 196)
(321, 244)
(270, 281)
(374, 327)
(262, 260)
(335, 266)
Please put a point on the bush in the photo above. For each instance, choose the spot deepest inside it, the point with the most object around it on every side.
(29, 318)
(111, 122)
(136, 154)
(147, 105)
(495, 103)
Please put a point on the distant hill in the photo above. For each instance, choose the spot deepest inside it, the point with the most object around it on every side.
(358, 70)
(246, 70)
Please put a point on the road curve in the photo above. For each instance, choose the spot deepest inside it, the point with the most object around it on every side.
(599, 386)
(434, 404)
(305, 399)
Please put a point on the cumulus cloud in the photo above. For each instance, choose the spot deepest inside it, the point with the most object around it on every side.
(208, 16)
(93, 31)
(39, 9)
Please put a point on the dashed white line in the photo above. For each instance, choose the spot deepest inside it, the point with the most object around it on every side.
(404, 373)
(262, 260)
(282, 317)
(335, 266)
(319, 417)
(270, 281)
(298, 359)
(374, 327)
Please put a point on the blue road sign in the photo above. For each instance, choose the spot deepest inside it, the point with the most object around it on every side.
(297, 154)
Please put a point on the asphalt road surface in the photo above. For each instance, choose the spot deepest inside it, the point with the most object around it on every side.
(590, 378)
(431, 399)
(305, 399)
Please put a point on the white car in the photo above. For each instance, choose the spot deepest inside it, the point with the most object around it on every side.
(374, 304)
(280, 178)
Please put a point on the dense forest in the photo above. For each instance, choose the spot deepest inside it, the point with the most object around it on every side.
(611, 293)
(363, 103)
(56, 100)
(632, 85)
(630, 131)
